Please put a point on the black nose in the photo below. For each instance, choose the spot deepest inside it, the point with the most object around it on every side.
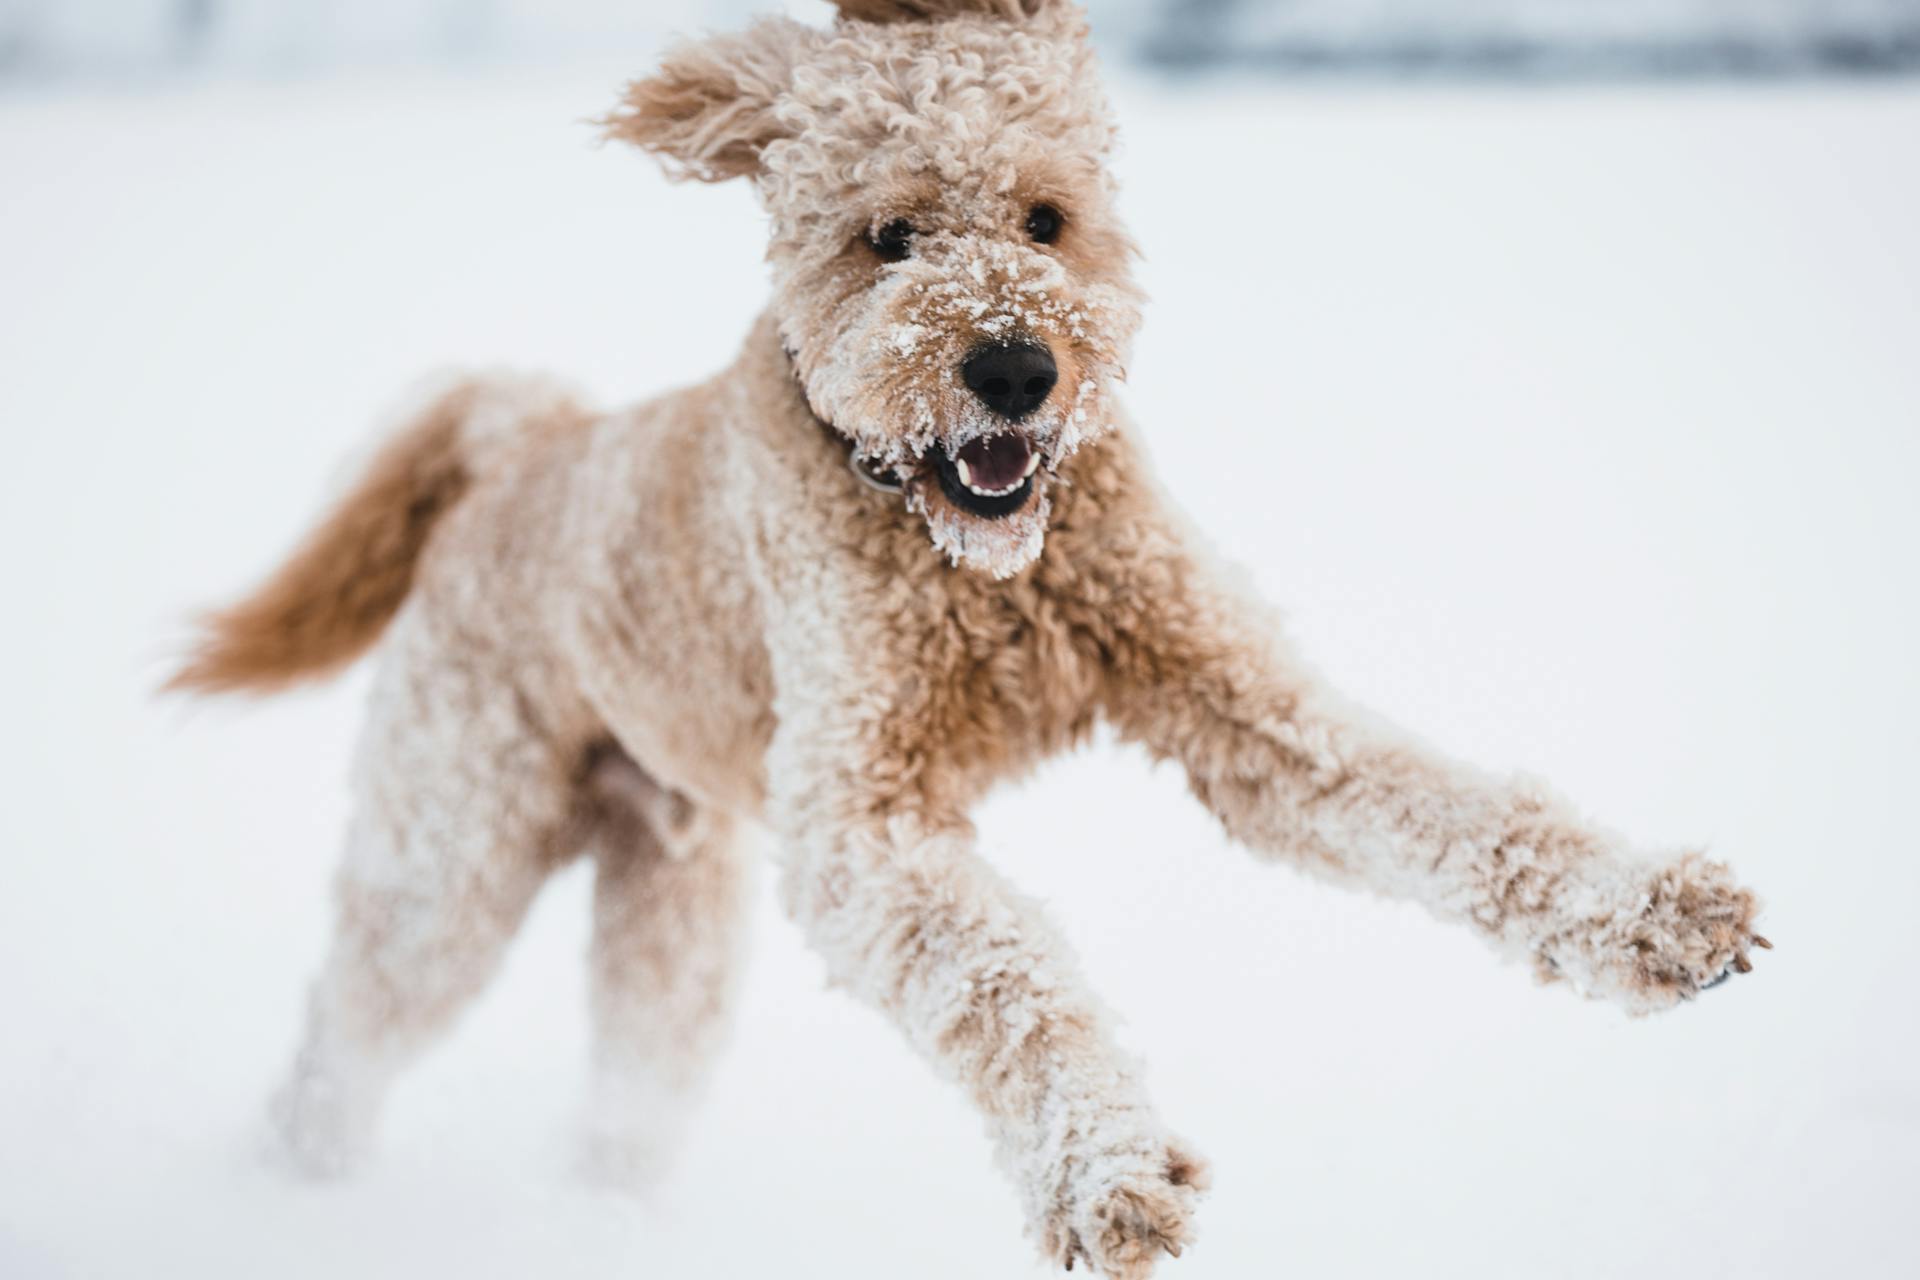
(1012, 381)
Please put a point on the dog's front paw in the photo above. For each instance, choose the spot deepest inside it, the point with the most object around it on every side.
(1120, 1212)
(1657, 936)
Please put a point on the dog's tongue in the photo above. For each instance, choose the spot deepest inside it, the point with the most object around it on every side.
(997, 462)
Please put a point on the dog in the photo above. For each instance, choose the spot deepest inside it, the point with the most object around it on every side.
(903, 549)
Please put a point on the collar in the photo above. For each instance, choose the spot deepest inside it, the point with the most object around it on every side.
(872, 476)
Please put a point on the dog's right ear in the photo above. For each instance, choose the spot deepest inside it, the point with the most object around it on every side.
(708, 112)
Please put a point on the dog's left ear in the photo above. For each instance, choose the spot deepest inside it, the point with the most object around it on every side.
(708, 112)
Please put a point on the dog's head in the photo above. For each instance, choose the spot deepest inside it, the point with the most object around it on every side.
(951, 283)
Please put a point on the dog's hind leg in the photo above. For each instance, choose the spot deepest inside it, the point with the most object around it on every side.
(668, 905)
(465, 800)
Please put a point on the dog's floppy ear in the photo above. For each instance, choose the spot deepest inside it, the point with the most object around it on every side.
(934, 10)
(708, 112)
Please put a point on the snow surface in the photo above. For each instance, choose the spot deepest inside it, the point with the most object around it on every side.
(1579, 432)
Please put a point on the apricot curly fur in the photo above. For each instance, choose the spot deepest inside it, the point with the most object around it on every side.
(624, 635)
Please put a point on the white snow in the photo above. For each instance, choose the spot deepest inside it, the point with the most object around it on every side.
(1578, 432)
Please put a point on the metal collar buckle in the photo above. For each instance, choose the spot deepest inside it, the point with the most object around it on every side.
(870, 478)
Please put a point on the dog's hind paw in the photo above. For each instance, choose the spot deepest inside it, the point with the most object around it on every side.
(630, 1135)
(630, 1163)
(1129, 1218)
(314, 1131)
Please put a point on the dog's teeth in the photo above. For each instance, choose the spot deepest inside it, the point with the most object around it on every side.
(985, 492)
(1033, 465)
(966, 476)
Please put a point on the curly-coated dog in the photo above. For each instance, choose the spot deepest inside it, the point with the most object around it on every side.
(922, 553)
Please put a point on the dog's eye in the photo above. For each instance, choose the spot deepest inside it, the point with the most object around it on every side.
(1043, 223)
(893, 240)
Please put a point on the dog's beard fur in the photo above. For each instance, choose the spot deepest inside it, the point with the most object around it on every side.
(887, 376)
(1000, 547)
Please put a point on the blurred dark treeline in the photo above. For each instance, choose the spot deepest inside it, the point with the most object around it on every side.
(1538, 38)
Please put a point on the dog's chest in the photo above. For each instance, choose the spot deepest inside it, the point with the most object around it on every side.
(990, 671)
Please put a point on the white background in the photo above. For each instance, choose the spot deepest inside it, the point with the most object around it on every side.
(1578, 431)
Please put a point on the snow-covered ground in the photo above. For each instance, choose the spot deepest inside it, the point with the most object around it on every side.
(1579, 431)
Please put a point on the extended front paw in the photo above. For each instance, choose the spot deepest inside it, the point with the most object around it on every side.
(1119, 1212)
(1652, 937)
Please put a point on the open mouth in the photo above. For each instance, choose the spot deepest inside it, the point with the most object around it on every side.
(989, 477)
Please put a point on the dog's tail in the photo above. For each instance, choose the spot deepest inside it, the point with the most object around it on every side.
(333, 597)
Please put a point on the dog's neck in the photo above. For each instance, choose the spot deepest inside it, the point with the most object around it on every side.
(873, 477)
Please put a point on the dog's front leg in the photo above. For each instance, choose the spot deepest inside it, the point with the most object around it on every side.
(1199, 674)
(912, 920)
